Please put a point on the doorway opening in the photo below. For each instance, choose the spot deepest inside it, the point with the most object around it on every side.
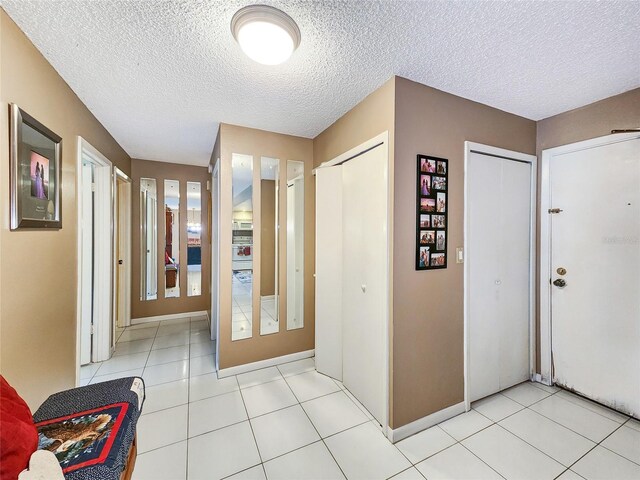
(95, 329)
(499, 270)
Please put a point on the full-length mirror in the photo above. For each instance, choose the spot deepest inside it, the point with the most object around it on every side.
(269, 187)
(242, 246)
(172, 238)
(148, 239)
(295, 244)
(194, 239)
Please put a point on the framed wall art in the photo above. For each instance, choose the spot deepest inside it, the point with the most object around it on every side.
(35, 155)
(432, 209)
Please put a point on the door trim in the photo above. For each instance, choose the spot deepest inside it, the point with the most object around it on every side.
(546, 362)
(103, 242)
(122, 226)
(472, 147)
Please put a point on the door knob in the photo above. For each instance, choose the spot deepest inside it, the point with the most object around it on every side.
(559, 282)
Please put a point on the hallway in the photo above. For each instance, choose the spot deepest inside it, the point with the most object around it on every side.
(291, 422)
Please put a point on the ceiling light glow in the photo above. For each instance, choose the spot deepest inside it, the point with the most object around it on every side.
(265, 34)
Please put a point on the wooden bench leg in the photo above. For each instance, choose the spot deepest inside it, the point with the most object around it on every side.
(131, 460)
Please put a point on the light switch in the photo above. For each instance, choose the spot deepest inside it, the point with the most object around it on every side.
(459, 255)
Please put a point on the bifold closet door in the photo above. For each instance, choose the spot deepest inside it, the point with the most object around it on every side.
(364, 277)
(328, 348)
(498, 239)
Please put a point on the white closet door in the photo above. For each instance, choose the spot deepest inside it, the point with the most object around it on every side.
(365, 279)
(498, 239)
(596, 315)
(515, 250)
(329, 271)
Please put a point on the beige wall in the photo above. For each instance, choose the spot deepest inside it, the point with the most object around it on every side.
(234, 139)
(428, 358)
(594, 120)
(591, 121)
(268, 238)
(372, 116)
(38, 268)
(162, 171)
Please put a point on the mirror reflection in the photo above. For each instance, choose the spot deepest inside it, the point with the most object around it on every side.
(172, 238)
(194, 239)
(148, 239)
(269, 187)
(295, 244)
(242, 246)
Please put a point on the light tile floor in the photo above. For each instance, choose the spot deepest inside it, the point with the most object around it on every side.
(290, 422)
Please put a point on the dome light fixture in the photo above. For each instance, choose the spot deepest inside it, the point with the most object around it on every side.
(265, 34)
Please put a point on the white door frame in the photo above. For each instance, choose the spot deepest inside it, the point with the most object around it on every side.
(103, 251)
(470, 147)
(546, 370)
(381, 139)
(122, 227)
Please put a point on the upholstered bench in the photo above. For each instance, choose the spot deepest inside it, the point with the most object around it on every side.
(90, 430)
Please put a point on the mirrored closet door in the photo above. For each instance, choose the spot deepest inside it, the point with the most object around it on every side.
(242, 246)
(267, 212)
(172, 238)
(269, 239)
(194, 239)
(148, 239)
(295, 244)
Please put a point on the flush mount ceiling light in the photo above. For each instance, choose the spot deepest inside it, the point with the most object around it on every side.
(266, 34)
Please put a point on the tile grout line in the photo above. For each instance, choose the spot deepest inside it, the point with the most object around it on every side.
(317, 432)
(472, 453)
(186, 466)
(244, 404)
(570, 429)
(596, 444)
(459, 442)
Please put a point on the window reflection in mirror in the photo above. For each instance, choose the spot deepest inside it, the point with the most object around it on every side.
(194, 239)
(172, 238)
(242, 246)
(148, 239)
(295, 244)
(269, 187)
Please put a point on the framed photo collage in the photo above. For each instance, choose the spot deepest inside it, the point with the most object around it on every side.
(432, 213)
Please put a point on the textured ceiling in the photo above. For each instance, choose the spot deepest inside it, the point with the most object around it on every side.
(161, 75)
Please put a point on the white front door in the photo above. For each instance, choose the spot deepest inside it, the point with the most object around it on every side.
(498, 272)
(595, 316)
(365, 279)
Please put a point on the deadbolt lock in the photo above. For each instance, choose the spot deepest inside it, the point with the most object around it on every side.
(561, 271)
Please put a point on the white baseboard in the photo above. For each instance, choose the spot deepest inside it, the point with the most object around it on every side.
(425, 422)
(270, 362)
(172, 316)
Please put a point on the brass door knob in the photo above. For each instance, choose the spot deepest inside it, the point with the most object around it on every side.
(559, 282)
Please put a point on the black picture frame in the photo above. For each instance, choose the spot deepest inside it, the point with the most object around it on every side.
(35, 173)
(432, 201)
